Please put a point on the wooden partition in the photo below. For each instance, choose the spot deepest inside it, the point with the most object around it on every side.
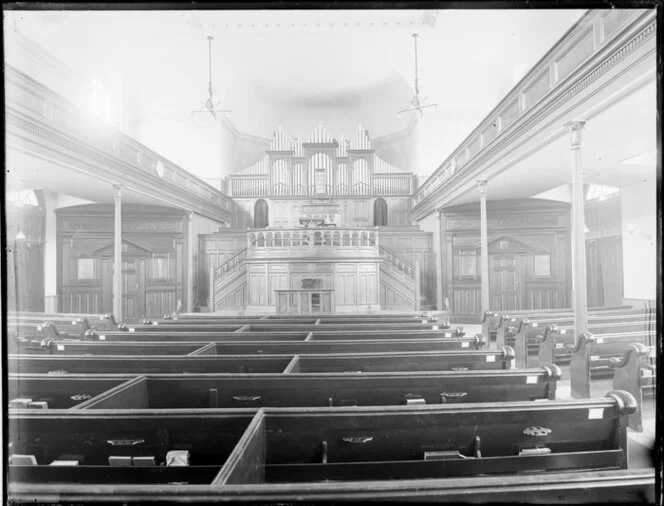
(153, 244)
(528, 256)
(206, 360)
(296, 388)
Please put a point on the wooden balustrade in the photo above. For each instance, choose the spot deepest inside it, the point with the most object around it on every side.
(258, 185)
(311, 238)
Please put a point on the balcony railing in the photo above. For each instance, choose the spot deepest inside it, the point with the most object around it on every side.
(303, 240)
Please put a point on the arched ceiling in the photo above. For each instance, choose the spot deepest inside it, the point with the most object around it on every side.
(296, 68)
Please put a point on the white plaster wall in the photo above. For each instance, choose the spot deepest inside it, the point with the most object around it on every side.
(562, 193)
(639, 240)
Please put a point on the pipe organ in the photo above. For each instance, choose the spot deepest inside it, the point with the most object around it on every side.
(320, 167)
(315, 208)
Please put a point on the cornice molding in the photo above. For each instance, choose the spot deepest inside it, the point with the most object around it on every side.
(599, 64)
(148, 184)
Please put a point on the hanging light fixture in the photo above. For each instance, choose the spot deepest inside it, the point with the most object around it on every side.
(415, 103)
(210, 105)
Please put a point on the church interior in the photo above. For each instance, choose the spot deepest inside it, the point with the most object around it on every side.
(297, 256)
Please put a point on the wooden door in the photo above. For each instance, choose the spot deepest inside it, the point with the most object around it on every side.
(133, 288)
(107, 285)
(506, 276)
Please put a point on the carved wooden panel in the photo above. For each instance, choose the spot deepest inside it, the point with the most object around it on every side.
(530, 237)
(160, 300)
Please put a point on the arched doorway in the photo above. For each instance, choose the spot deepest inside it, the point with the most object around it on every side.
(380, 213)
(261, 214)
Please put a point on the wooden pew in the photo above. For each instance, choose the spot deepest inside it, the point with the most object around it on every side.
(635, 372)
(510, 326)
(50, 346)
(554, 344)
(392, 362)
(92, 440)
(526, 341)
(262, 347)
(590, 358)
(249, 364)
(74, 329)
(624, 486)
(96, 321)
(393, 443)
(491, 319)
(313, 389)
(299, 445)
(323, 320)
(276, 326)
(354, 346)
(349, 316)
(243, 334)
(55, 392)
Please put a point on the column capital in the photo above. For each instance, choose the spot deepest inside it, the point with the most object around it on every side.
(440, 212)
(117, 188)
(575, 128)
(481, 186)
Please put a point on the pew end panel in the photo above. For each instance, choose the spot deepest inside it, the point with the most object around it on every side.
(293, 366)
(208, 349)
(633, 373)
(132, 394)
(580, 366)
(246, 463)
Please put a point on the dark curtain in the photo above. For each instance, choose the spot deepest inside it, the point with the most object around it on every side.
(604, 271)
(610, 253)
(594, 278)
(261, 214)
(380, 213)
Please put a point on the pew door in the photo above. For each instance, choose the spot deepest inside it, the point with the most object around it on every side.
(506, 281)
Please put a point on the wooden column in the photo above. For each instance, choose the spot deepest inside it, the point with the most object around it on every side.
(440, 267)
(117, 255)
(417, 285)
(484, 246)
(190, 262)
(579, 289)
(212, 275)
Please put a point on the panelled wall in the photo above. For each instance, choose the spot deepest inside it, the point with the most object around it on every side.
(529, 256)
(355, 283)
(153, 259)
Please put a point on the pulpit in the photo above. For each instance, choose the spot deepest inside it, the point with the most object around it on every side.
(304, 301)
